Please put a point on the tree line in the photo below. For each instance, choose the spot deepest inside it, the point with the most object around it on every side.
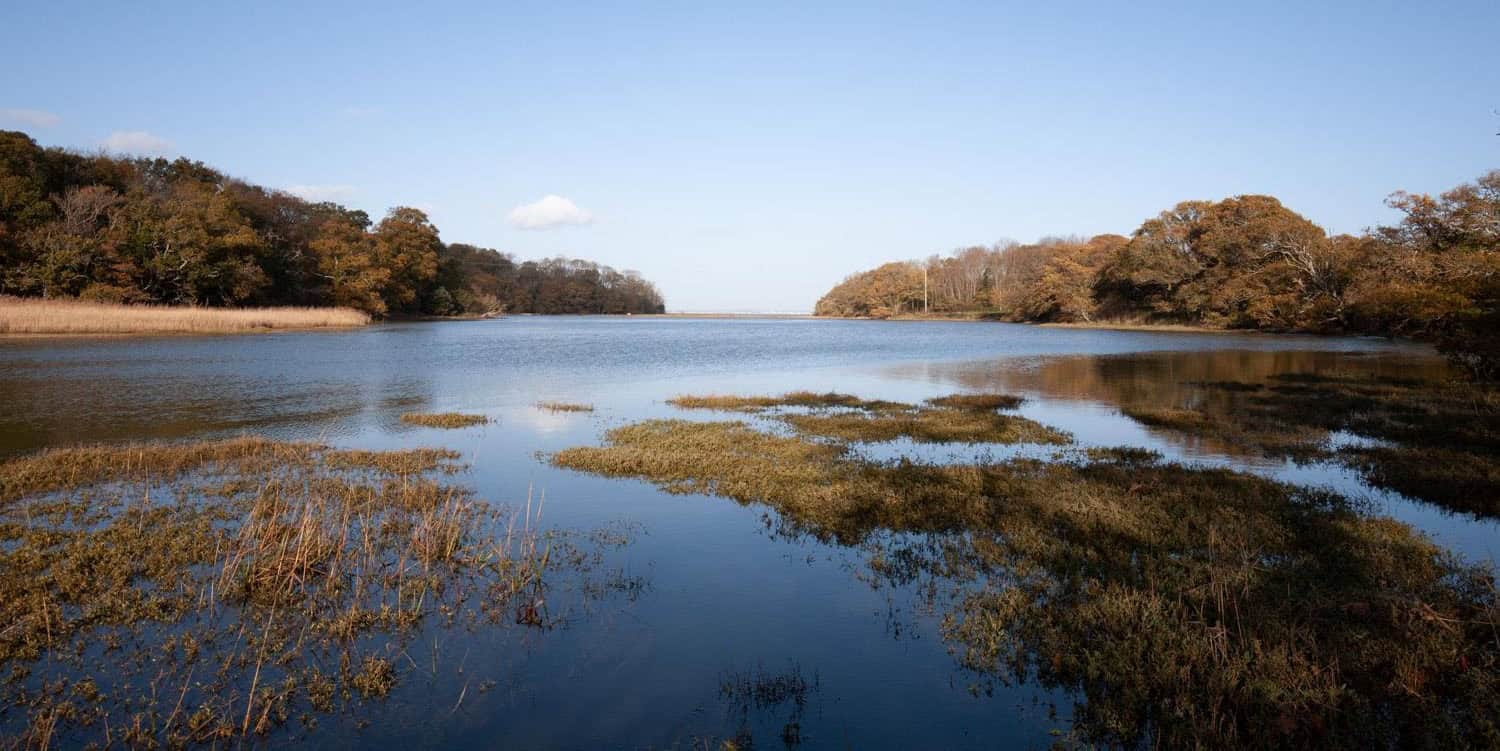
(1246, 262)
(137, 230)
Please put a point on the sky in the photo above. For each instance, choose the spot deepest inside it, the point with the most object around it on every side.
(748, 157)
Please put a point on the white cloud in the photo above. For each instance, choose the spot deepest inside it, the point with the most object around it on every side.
(34, 118)
(137, 142)
(318, 193)
(550, 212)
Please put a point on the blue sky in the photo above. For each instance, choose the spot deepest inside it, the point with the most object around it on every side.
(748, 157)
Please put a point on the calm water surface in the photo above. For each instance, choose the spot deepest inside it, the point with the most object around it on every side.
(707, 593)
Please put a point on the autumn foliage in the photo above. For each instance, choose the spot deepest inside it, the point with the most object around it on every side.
(1245, 262)
(134, 230)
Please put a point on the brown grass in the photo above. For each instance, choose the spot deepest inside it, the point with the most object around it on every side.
(564, 406)
(928, 426)
(20, 316)
(217, 589)
(443, 419)
(1186, 607)
(977, 401)
(805, 399)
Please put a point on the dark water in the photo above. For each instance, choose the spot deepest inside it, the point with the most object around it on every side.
(710, 597)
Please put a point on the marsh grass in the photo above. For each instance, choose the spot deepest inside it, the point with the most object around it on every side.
(982, 402)
(41, 317)
(180, 594)
(1188, 607)
(450, 420)
(965, 418)
(928, 426)
(1437, 441)
(803, 399)
(564, 406)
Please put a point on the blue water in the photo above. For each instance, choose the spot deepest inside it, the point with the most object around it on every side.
(716, 594)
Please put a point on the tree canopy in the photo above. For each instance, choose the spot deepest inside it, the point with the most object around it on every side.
(141, 230)
(1245, 262)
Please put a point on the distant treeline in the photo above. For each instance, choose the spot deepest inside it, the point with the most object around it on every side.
(140, 230)
(1246, 262)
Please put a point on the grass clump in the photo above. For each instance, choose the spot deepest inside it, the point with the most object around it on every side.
(804, 399)
(1185, 606)
(443, 419)
(982, 402)
(565, 406)
(928, 426)
(238, 572)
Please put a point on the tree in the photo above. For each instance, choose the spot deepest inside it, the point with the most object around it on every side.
(407, 246)
(179, 231)
(1438, 273)
(1201, 261)
(347, 261)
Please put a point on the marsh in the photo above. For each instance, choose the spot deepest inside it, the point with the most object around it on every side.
(867, 611)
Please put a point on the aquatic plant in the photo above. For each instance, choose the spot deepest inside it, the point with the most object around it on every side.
(977, 401)
(192, 593)
(928, 426)
(443, 419)
(1185, 606)
(805, 399)
(551, 406)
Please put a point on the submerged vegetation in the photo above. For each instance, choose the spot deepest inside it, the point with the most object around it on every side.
(1439, 442)
(22, 316)
(564, 406)
(195, 593)
(136, 230)
(443, 419)
(1246, 262)
(1184, 606)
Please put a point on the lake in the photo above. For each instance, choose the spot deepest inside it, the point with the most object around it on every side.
(710, 621)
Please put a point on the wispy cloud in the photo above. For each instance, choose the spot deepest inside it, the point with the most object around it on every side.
(34, 118)
(320, 192)
(549, 213)
(137, 142)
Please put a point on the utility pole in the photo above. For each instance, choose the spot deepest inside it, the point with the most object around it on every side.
(924, 289)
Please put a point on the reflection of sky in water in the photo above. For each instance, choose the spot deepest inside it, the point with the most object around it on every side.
(723, 595)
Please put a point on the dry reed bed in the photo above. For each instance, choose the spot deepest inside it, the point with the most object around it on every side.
(43, 317)
(1186, 607)
(195, 593)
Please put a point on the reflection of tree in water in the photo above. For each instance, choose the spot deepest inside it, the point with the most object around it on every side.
(1159, 379)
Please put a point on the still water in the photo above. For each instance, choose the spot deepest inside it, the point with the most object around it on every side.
(706, 598)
